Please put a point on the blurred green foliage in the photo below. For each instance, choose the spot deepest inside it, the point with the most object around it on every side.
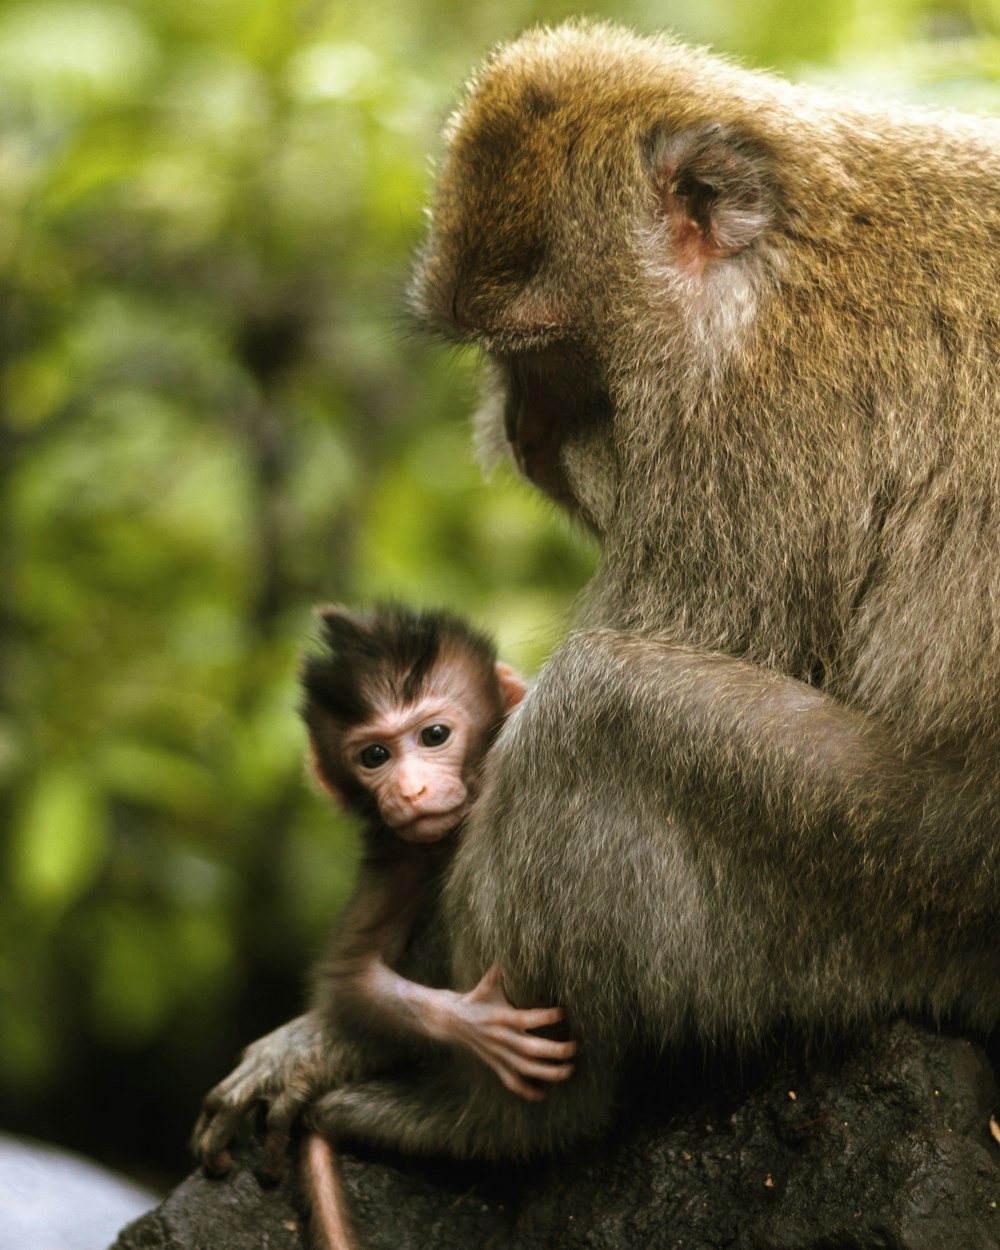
(212, 415)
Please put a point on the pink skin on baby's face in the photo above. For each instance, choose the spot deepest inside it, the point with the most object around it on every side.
(419, 761)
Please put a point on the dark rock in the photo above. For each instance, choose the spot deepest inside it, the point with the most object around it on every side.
(884, 1145)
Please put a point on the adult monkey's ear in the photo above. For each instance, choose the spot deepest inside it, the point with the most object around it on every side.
(710, 189)
(512, 687)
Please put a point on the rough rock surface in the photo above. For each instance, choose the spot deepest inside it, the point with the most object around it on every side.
(883, 1145)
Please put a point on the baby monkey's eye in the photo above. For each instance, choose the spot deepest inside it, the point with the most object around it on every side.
(374, 756)
(435, 735)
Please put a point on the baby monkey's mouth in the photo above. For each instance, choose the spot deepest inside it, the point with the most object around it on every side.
(430, 826)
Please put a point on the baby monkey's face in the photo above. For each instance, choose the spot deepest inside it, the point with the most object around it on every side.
(420, 760)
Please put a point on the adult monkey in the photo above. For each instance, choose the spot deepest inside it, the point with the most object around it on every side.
(749, 334)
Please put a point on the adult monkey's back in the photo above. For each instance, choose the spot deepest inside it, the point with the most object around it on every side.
(749, 334)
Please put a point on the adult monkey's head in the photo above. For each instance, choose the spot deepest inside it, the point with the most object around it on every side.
(601, 229)
(649, 242)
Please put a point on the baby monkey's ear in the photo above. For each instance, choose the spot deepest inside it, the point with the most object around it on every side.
(512, 687)
(322, 776)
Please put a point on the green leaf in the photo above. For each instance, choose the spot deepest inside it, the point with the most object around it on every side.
(156, 776)
(59, 839)
(130, 994)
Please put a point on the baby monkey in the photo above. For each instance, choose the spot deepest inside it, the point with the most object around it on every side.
(401, 709)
